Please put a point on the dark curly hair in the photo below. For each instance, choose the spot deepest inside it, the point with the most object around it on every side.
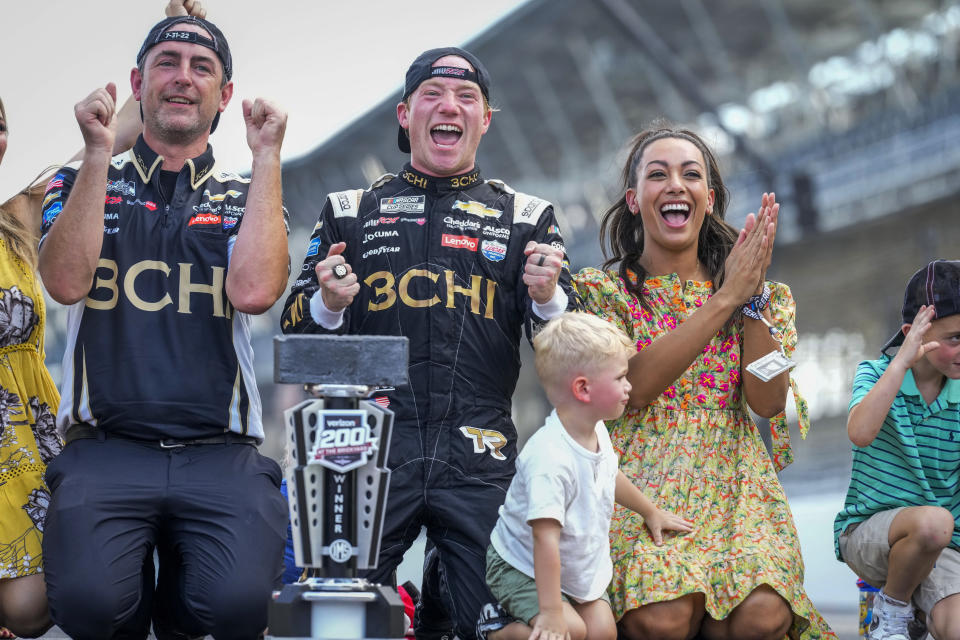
(624, 230)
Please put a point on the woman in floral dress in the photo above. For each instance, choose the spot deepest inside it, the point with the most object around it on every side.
(28, 401)
(681, 279)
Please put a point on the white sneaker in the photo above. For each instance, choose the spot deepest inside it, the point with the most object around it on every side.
(890, 619)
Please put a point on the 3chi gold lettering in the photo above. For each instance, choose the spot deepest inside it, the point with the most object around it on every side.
(386, 289)
(186, 288)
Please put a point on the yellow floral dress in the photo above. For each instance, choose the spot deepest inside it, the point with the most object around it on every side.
(28, 405)
(696, 452)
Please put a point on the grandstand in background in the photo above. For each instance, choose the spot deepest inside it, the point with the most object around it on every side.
(822, 101)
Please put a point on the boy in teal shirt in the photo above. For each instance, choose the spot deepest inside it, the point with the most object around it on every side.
(898, 527)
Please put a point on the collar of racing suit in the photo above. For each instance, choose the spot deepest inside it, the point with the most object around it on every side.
(446, 183)
(147, 161)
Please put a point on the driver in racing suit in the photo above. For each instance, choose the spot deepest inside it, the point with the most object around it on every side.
(458, 264)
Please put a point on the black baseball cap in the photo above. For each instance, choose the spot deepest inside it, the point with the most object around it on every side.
(423, 69)
(162, 32)
(936, 285)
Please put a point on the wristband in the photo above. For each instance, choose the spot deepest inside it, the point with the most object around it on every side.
(756, 304)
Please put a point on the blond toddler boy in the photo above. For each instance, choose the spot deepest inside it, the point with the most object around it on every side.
(548, 562)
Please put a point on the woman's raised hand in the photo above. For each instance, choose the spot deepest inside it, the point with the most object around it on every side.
(746, 266)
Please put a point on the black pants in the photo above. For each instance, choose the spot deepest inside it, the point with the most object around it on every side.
(455, 493)
(214, 512)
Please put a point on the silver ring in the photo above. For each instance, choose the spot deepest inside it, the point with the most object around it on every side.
(540, 261)
(339, 271)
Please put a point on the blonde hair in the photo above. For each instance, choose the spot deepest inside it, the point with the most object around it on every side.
(576, 341)
(20, 241)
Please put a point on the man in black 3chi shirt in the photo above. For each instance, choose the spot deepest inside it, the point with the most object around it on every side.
(458, 264)
(163, 259)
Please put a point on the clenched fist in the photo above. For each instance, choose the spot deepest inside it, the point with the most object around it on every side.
(266, 124)
(95, 117)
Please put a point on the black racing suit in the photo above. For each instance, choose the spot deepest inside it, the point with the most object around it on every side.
(440, 260)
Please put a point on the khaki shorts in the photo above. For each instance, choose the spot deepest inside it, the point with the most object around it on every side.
(865, 548)
(515, 590)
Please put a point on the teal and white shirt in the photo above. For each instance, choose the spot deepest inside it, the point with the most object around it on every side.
(915, 458)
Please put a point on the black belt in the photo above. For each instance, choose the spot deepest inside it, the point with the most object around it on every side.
(85, 431)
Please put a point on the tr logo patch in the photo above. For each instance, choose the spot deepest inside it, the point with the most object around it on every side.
(484, 439)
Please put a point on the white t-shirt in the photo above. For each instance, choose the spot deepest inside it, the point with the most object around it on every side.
(559, 479)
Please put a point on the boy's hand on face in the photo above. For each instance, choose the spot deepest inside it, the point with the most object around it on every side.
(661, 520)
(550, 625)
(913, 347)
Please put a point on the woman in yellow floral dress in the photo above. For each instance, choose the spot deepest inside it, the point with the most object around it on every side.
(28, 402)
(682, 277)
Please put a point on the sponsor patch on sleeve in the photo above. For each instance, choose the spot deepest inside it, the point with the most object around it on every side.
(314, 247)
(345, 203)
(52, 212)
(56, 183)
(528, 209)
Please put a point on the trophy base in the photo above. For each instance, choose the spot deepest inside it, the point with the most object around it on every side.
(335, 609)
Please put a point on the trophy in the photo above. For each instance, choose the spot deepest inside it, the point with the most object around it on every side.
(337, 486)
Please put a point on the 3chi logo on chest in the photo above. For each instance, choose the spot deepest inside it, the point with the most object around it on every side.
(386, 290)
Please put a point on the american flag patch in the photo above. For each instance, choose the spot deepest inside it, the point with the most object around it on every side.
(383, 401)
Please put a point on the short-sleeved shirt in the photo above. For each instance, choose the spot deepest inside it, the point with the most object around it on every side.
(558, 478)
(915, 458)
(155, 349)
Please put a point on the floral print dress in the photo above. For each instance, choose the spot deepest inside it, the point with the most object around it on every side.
(696, 452)
(28, 404)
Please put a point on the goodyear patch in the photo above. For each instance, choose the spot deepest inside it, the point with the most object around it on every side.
(475, 208)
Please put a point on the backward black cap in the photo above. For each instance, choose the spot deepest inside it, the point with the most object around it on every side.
(936, 285)
(422, 68)
(217, 43)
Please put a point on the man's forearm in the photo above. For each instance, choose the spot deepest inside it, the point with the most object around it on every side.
(257, 275)
(70, 252)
